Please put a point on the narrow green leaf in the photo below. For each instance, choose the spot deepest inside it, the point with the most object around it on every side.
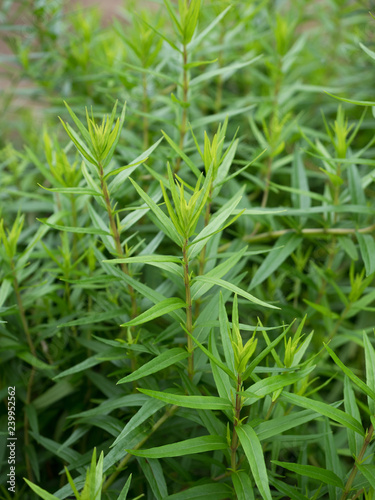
(254, 454)
(358, 382)
(242, 485)
(213, 358)
(318, 473)
(72, 190)
(270, 428)
(324, 409)
(39, 491)
(149, 408)
(234, 289)
(284, 247)
(186, 159)
(369, 472)
(183, 448)
(162, 361)
(124, 492)
(367, 247)
(196, 402)
(79, 230)
(218, 491)
(274, 383)
(164, 307)
(370, 371)
(164, 221)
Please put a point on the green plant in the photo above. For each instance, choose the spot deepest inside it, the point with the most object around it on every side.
(190, 290)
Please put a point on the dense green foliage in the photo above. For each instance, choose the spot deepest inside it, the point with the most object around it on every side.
(187, 261)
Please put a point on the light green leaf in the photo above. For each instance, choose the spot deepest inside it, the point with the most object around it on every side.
(199, 288)
(324, 409)
(358, 382)
(149, 408)
(186, 159)
(124, 492)
(318, 473)
(284, 247)
(274, 383)
(270, 428)
(218, 491)
(39, 491)
(162, 361)
(166, 225)
(242, 485)
(370, 371)
(79, 230)
(72, 190)
(234, 289)
(196, 402)
(216, 222)
(164, 307)
(369, 472)
(183, 448)
(226, 71)
(213, 358)
(254, 454)
(367, 247)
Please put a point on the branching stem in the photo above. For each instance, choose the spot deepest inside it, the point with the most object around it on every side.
(116, 237)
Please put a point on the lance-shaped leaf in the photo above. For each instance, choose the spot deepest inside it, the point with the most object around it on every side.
(164, 307)
(318, 473)
(165, 223)
(324, 409)
(215, 225)
(270, 384)
(284, 247)
(162, 361)
(370, 370)
(218, 491)
(358, 382)
(79, 230)
(196, 402)
(254, 454)
(183, 448)
(242, 485)
(234, 289)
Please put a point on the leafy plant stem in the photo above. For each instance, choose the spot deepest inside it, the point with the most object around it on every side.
(171, 411)
(116, 236)
(354, 470)
(189, 312)
(202, 256)
(237, 412)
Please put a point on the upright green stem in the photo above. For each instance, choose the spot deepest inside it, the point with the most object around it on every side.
(189, 312)
(237, 412)
(202, 257)
(116, 236)
(359, 460)
(185, 90)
